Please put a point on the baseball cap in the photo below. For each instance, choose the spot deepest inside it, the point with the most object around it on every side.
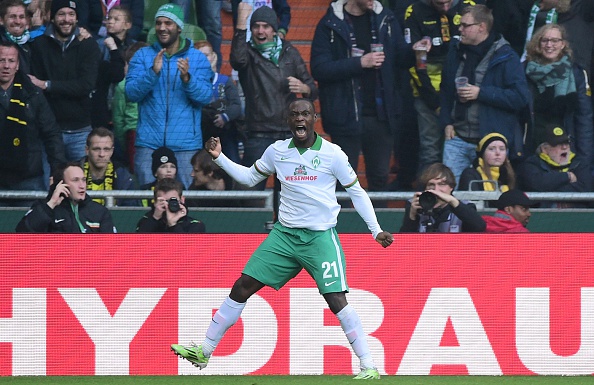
(555, 135)
(512, 198)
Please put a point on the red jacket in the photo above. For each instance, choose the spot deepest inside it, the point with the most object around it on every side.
(502, 222)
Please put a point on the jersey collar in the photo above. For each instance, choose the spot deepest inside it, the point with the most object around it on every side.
(316, 146)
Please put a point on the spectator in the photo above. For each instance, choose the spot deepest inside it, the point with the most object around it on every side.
(441, 212)
(512, 215)
(111, 66)
(358, 89)
(560, 92)
(125, 114)
(164, 165)
(280, 7)
(575, 15)
(67, 208)
(495, 94)
(208, 176)
(438, 20)
(272, 74)
(219, 117)
(169, 214)
(100, 172)
(14, 26)
(39, 17)
(491, 168)
(93, 15)
(22, 144)
(65, 67)
(555, 168)
(170, 81)
(304, 236)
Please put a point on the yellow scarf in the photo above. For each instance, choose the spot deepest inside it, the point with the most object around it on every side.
(495, 173)
(560, 168)
(106, 183)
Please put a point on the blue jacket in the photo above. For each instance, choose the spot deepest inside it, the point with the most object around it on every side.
(338, 74)
(169, 111)
(503, 96)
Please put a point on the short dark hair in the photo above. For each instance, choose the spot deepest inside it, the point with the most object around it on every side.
(169, 184)
(9, 44)
(204, 161)
(308, 100)
(480, 13)
(437, 170)
(101, 132)
(58, 173)
(5, 4)
(125, 10)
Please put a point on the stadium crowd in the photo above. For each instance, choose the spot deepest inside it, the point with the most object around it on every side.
(498, 91)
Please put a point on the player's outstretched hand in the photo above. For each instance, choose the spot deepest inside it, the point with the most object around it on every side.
(384, 238)
(213, 146)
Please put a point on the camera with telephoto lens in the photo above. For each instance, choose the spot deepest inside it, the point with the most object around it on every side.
(173, 205)
(427, 200)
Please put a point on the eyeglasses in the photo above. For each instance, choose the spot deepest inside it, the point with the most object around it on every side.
(467, 25)
(554, 40)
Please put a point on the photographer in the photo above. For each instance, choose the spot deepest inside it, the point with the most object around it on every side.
(436, 209)
(169, 213)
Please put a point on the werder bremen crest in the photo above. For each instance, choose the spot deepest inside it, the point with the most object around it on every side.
(315, 162)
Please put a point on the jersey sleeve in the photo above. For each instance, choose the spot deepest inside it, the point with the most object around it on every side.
(342, 169)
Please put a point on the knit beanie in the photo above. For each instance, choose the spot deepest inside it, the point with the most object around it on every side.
(486, 140)
(264, 14)
(173, 12)
(59, 4)
(161, 156)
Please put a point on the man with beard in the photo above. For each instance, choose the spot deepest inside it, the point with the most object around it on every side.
(67, 208)
(308, 168)
(171, 82)
(555, 168)
(512, 215)
(65, 67)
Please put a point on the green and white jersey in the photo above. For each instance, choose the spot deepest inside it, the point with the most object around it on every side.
(308, 179)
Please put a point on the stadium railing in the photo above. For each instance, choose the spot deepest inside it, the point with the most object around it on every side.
(477, 197)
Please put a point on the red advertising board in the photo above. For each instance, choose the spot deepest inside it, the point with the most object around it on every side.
(432, 304)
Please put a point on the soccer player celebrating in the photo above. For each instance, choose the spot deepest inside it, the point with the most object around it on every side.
(308, 168)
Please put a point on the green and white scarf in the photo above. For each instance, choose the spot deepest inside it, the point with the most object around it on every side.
(270, 50)
(19, 39)
(551, 19)
(558, 74)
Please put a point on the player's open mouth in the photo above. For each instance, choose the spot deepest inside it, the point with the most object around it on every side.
(300, 131)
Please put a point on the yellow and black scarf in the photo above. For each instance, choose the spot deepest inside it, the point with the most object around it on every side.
(100, 184)
(14, 143)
